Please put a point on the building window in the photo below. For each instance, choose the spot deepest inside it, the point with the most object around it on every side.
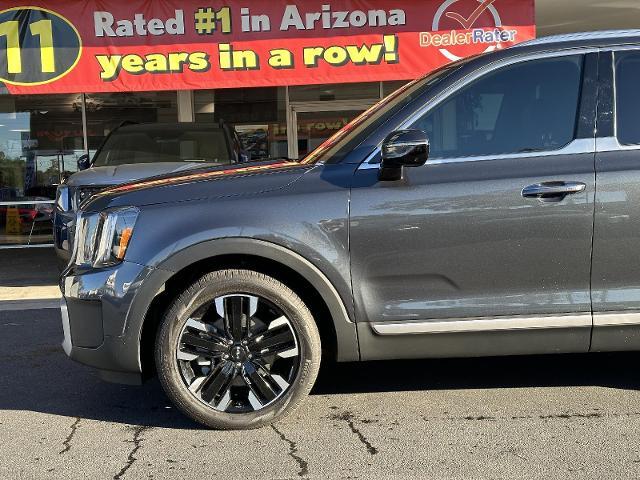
(389, 87)
(331, 92)
(106, 111)
(257, 114)
(41, 139)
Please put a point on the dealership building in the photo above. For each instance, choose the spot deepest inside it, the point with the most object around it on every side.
(285, 76)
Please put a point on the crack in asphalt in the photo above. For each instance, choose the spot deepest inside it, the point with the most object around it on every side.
(293, 450)
(67, 442)
(552, 416)
(348, 417)
(572, 415)
(137, 443)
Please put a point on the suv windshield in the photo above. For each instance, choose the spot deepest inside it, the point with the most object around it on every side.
(165, 143)
(340, 143)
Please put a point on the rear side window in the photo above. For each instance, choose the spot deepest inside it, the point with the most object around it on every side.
(628, 97)
(527, 107)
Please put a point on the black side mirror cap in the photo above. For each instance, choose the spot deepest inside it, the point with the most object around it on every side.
(84, 162)
(403, 148)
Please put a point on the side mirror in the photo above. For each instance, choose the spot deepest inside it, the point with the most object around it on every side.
(403, 148)
(84, 162)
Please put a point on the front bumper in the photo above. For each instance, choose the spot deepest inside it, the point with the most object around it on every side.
(103, 311)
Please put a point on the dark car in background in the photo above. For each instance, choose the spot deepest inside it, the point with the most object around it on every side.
(486, 209)
(135, 151)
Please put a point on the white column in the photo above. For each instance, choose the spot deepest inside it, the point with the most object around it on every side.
(185, 106)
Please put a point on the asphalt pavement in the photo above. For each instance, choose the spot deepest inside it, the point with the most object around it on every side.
(565, 417)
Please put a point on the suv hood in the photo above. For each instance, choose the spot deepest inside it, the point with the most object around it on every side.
(213, 182)
(117, 174)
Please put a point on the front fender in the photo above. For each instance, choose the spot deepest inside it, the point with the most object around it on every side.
(347, 340)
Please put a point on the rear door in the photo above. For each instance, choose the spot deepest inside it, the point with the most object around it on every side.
(616, 246)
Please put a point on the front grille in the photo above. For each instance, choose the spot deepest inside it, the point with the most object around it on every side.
(83, 193)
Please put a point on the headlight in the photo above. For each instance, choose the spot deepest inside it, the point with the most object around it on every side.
(102, 239)
(62, 197)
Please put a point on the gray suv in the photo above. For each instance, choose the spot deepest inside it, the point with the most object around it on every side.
(485, 209)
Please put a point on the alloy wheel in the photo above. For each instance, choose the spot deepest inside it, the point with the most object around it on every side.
(238, 353)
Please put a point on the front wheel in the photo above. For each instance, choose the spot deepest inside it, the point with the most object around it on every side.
(237, 350)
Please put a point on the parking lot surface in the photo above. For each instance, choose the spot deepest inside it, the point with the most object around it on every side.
(571, 416)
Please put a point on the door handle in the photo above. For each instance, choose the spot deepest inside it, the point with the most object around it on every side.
(552, 189)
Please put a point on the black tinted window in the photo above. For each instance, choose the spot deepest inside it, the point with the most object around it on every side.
(530, 106)
(627, 97)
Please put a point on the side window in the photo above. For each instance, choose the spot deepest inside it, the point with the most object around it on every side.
(529, 106)
(627, 98)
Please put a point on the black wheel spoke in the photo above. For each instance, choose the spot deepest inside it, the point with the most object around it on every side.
(217, 383)
(236, 312)
(277, 340)
(209, 333)
(197, 345)
(261, 383)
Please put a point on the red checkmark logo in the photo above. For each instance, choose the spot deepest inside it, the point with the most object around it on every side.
(467, 23)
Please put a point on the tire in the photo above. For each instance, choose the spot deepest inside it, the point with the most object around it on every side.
(218, 320)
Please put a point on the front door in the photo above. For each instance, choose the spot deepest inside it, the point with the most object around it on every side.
(494, 232)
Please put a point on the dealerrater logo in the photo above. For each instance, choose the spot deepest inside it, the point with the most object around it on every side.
(465, 33)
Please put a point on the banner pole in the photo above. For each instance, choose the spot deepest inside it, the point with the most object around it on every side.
(85, 137)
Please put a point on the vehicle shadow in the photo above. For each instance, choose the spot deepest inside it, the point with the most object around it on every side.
(613, 370)
(36, 376)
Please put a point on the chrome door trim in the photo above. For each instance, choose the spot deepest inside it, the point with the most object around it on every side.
(454, 87)
(611, 319)
(67, 345)
(483, 324)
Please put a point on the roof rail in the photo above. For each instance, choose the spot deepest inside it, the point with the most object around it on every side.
(569, 37)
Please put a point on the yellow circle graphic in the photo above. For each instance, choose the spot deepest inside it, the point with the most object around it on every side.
(37, 46)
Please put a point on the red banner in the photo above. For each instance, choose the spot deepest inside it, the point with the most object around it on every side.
(116, 45)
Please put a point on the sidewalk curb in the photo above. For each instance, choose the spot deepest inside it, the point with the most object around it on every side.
(41, 292)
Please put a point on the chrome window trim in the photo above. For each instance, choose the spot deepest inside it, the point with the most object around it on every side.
(463, 82)
(575, 147)
(581, 36)
(488, 324)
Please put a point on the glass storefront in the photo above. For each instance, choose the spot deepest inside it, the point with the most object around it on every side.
(257, 114)
(315, 127)
(332, 92)
(106, 111)
(42, 136)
